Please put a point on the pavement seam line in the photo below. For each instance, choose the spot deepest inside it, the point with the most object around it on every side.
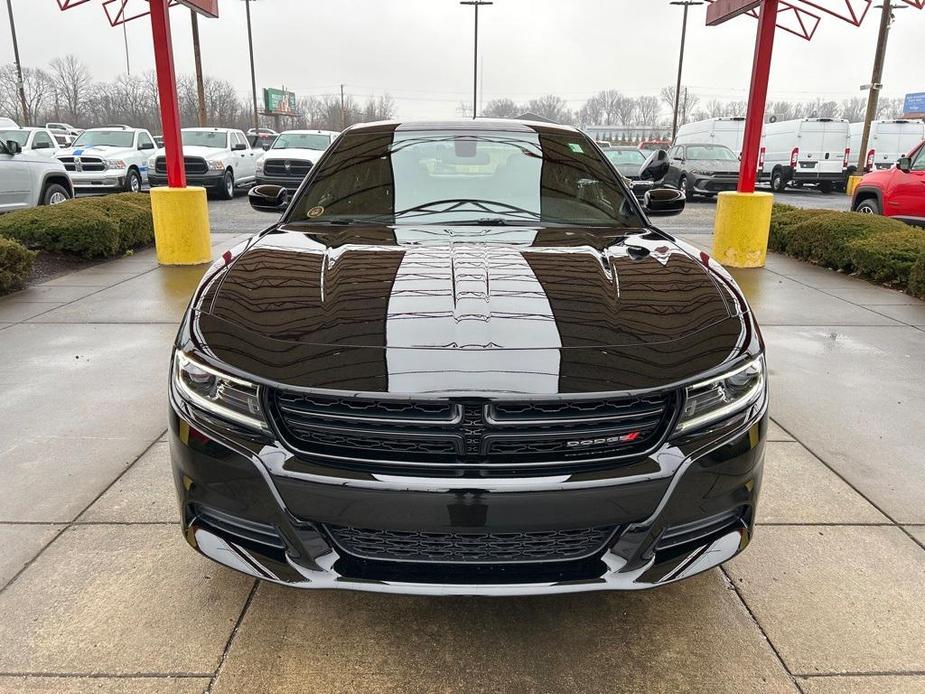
(110, 675)
(71, 523)
(864, 673)
(232, 635)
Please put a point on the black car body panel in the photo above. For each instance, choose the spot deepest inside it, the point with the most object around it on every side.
(468, 410)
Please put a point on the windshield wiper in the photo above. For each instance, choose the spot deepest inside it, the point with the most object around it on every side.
(460, 205)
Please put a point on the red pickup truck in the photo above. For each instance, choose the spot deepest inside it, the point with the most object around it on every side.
(898, 192)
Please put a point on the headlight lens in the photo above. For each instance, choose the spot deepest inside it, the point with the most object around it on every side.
(152, 162)
(115, 164)
(260, 166)
(219, 394)
(724, 396)
(217, 165)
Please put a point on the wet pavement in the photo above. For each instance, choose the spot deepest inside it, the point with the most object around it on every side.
(99, 593)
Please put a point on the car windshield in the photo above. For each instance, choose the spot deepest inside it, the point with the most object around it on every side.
(302, 141)
(205, 138)
(626, 156)
(19, 136)
(711, 152)
(105, 138)
(466, 177)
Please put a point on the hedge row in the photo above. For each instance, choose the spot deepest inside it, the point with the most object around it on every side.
(15, 265)
(878, 248)
(100, 227)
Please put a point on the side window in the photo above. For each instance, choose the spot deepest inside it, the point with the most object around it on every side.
(144, 139)
(918, 162)
(675, 153)
(42, 141)
(239, 138)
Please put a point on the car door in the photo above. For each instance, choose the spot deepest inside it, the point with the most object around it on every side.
(906, 196)
(15, 182)
(146, 148)
(248, 171)
(676, 161)
(43, 144)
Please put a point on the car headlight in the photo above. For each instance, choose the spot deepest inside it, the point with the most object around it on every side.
(115, 164)
(723, 396)
(701, 172)
(260, 166)
(152, 162)
(217, 393)
(217, 165)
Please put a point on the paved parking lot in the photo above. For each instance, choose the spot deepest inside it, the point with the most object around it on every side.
(99, 593)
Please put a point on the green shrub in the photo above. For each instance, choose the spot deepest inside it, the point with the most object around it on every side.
(783, 219)
(826, 239)
(15, 265)
(888, 257)
(90, 227)
(917, 278)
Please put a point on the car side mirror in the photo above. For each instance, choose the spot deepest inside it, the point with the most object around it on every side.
(41, 145)
(904, 164)
(146, 145)
(13, 147)
(664, 202)
(268, 198)
(237, 147)
(656, 166)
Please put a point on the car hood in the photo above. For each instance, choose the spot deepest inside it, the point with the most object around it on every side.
(516, 310)
(720, 165)
(631, 171)
(294, 153)
(102, 151)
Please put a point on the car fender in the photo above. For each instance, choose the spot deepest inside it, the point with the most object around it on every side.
(866, 191)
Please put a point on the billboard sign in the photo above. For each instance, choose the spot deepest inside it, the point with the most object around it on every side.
(723, 10)
(914, 105)
(278, 101)
(209, 8)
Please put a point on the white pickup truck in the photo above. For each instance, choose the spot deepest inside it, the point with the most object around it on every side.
(32, 140)
(292, 156)
(28, 179)
(219, 159)
(111, 159)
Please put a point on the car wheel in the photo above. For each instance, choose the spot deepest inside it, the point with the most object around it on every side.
(226, 192)
(55, 194)
(685, 188)
(133, 182)
(778, 182)
(868, 206)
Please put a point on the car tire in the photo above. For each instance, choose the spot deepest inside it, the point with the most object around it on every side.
(685, 188)
(55, 194)
(826, 187)
(133, 181)
(778, 182)
(868, 206)
(226, 189)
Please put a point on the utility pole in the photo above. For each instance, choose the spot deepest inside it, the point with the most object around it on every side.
(343, 110)
(197, 58)
(19, 80)
(128, 64)
(686, 4)
(876, 82)
(475, 57)
(250, 46)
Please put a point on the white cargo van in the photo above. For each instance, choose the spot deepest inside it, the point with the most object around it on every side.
(810, 151)
(889, 140)
(713, 131)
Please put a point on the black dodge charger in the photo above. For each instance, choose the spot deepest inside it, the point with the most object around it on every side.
(465, 362)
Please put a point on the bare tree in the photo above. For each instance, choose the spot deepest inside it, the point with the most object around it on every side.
(72, 83)
(552, 107)
(688, 102)
(502, 108)
(854, 109)
(648, 111)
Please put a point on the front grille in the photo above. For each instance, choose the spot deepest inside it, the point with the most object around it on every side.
(91, 164)
(193, 165)
(471, 548)
(287, 167)
(458, 437)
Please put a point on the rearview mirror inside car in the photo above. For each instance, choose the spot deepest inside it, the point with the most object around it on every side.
(268, 198)
(664, 202)
(656, 166)
(904, 164)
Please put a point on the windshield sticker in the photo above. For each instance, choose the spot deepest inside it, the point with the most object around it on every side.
(575, 147)
(315, 212)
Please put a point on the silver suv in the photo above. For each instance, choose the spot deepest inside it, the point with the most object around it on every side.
(27, 179)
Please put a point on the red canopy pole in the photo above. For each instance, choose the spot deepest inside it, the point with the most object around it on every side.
(758, 96)
(167, 91)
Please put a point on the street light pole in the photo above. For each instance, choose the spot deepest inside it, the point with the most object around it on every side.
(197, 59)
(475, 58)
(19, 80)
(876, 82)
(686, 4)
(250, 46)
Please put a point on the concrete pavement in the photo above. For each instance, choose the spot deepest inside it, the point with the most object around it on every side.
(98, 592)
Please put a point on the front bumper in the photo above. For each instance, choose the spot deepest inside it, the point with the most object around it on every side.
(213, 180)
(98, 181)
(711, 185)
(807, 175)
(254, 508)
(290, 183)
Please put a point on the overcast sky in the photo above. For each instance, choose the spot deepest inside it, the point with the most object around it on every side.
(420, 51)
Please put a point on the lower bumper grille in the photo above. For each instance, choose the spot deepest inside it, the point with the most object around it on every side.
(472, 548)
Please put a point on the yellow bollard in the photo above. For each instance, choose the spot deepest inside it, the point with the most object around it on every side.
(852, 184)
(740, 234)
(181, 225)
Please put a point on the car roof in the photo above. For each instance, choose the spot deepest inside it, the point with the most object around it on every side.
(482, 124)
(210, 130)
(309, 132)
(114, 129)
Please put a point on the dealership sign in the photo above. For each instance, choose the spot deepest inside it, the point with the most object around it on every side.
(914, 105)
(723, 10)
(278, 101)
(207, 7)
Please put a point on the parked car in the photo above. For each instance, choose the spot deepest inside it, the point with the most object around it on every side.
(889, 140)
(63, 140)
(65, 128)
(464, 361)
(629, 161)
(717, 131)
(28, 179)
(261, 132)
(898, 192)
(33, 140)
(805, 151)
(159, 141)
(219, 159)
(110, 159)
(292, 156)
(702, 169)
(654, 145)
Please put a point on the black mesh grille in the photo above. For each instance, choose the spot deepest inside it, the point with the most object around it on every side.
(277, 167)
(193, 165)
(454, 548)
